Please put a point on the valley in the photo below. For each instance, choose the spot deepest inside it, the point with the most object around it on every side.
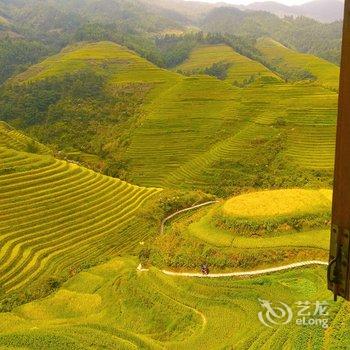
(123, 148)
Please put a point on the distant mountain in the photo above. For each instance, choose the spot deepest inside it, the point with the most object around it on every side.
(324, 10)
(301, 33)
(191, 9)
(31, 29)
(273, 7)
(321, 10)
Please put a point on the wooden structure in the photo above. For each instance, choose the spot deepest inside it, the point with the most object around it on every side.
(339, 261)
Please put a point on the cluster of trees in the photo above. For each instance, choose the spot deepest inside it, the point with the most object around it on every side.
(36, 29)
(174, 49)
(36, 100)
(303, 34)
(75, 114)
(218, 70)
(16, 55)
(245, 45)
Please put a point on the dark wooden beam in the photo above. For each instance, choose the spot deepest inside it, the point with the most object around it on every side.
(339, 271)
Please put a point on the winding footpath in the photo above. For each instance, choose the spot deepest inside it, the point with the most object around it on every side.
(251, 273)
(182, 211)
(248, 273)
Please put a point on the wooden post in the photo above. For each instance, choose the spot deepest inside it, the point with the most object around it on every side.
(339, 261)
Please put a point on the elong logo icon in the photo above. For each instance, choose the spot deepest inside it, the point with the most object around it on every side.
(281, 313)
(278, 315)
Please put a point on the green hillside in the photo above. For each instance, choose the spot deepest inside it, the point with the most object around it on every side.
(325, 73)
(91, 96)
(266, 139)
(292, 124)
(57, 217)
(113, 306)
(135, 149)
(302, 33)
(157, 128)
(12, 138)
(246, 232)
(240, 69)
(182, 124)
(117, 63)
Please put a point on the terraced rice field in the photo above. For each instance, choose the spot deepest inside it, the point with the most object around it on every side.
(12, 138)
(241, 67)
(181, 125)
(56, 215)
(327, 73)
(113, 306)
(204, 230)
(275, 212)
(308, 126)
(191, 130)
(302, 114)
(278, 202)
(117, 63)
(255, 212)
(57, 218)
(190, 175)
(313, 147)
(308, 115)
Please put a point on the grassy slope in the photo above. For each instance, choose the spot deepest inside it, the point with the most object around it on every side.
(182, 123)
(242, 67)
(327, 73)
(12, 138)
(117, 63)
(249, 242)
(57, 216)
(261, 206)
(305, 115)
(278, 202)
(200, 132)
(114, 307)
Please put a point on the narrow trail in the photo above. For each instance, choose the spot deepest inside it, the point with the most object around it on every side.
(251, 273)
(247, 273)
(182, 211)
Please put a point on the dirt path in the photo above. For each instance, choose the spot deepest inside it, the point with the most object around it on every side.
(230, 274)
(247, 273)
(182, 211)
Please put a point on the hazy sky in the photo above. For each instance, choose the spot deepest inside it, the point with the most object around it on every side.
(245, 2)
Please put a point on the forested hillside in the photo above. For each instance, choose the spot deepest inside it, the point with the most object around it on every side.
(111, 110)
(301, 33)
(166, 171)
(85, 102)
(30, 30)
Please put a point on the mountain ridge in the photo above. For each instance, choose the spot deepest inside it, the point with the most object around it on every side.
(326, 11)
